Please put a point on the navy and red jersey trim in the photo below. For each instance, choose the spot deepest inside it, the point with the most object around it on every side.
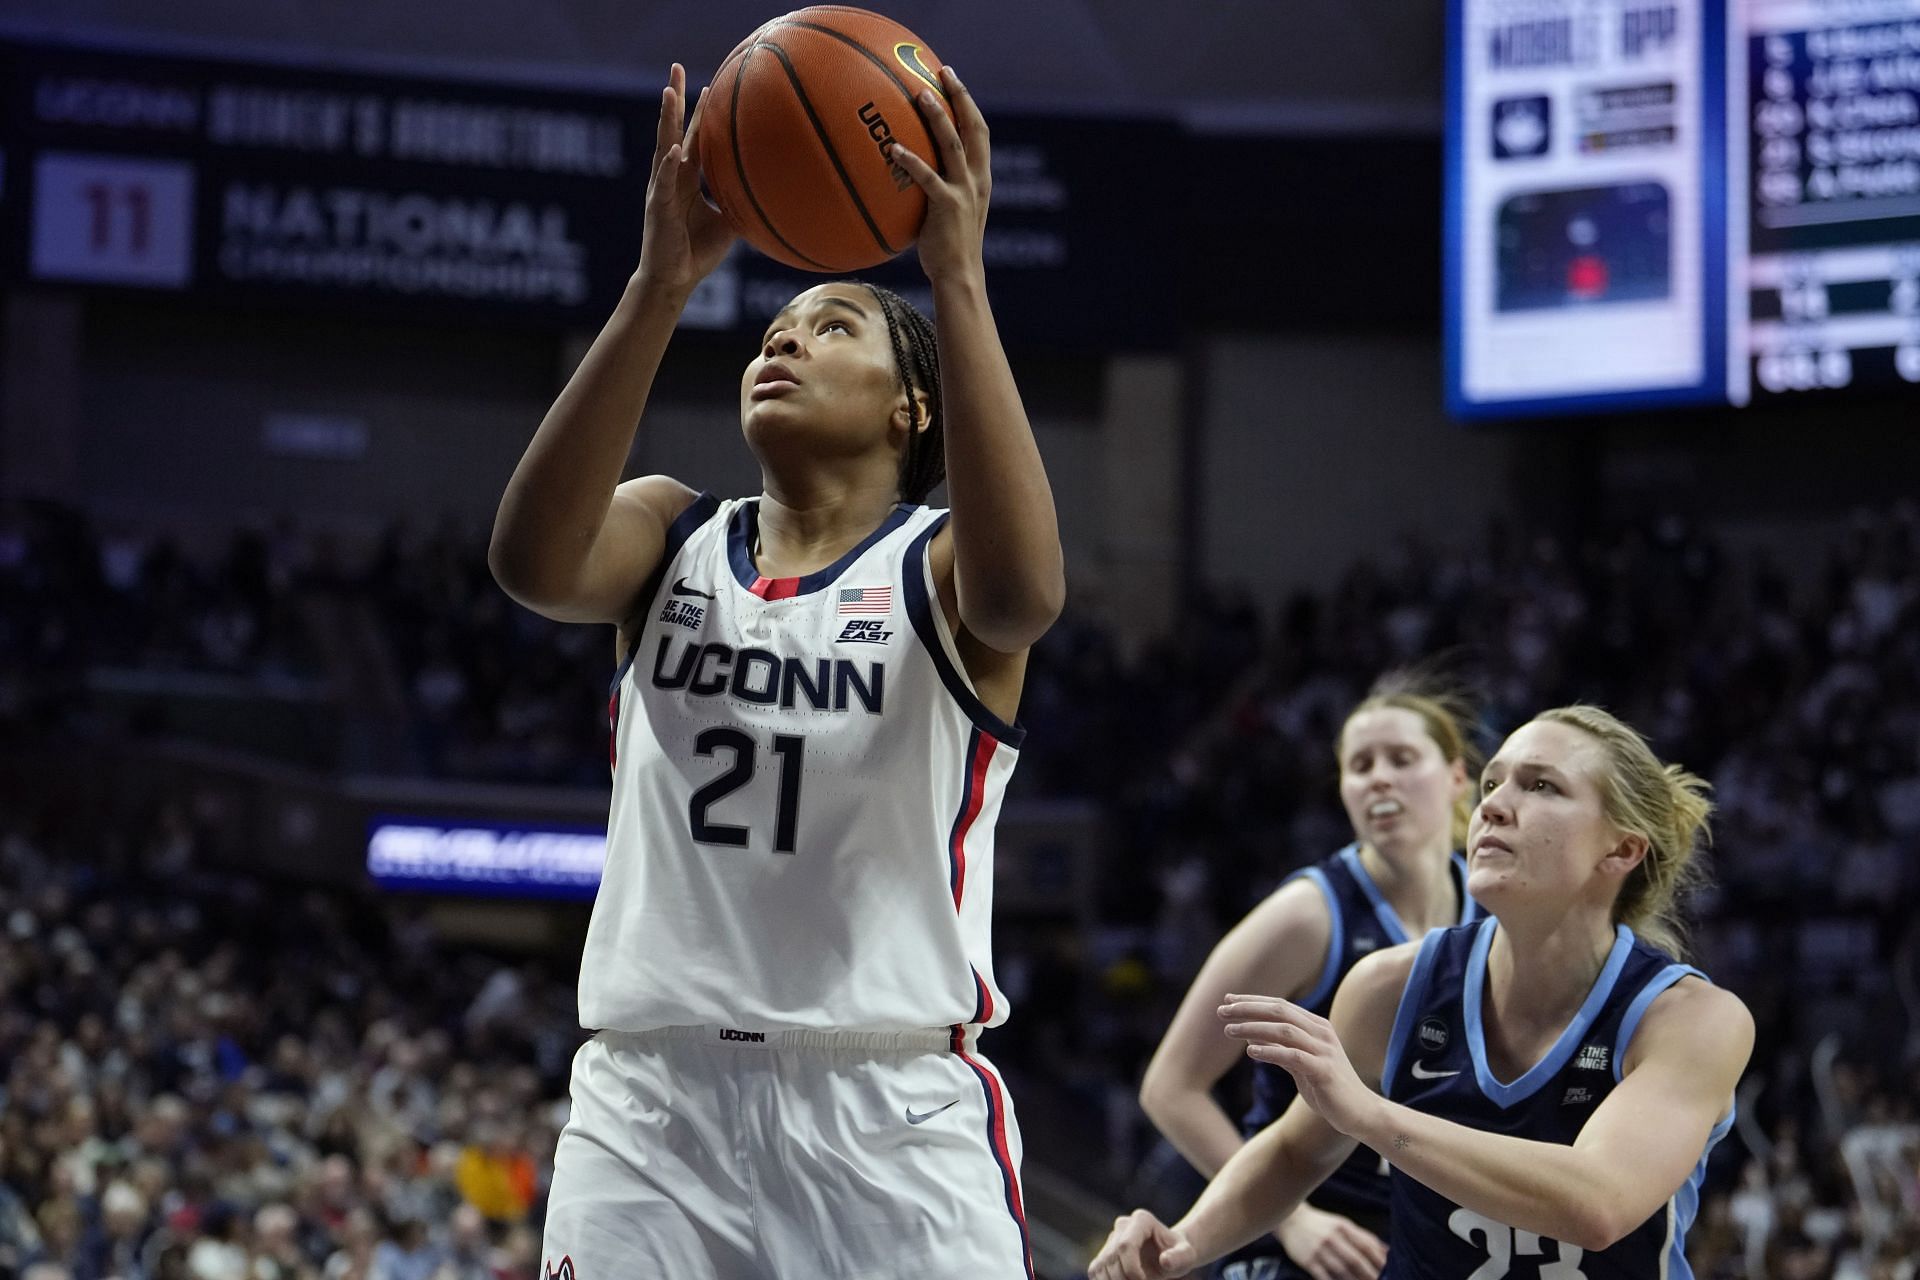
(973, 787)
(920, 607)
(613, 727)
(743, 529)
(698, 512)
(775, 588)
(980, 747)
(1003, 1154)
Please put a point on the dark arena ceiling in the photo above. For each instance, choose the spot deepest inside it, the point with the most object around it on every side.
(1222, 65)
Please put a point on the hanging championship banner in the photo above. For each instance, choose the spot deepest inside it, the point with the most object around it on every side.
(257, 182)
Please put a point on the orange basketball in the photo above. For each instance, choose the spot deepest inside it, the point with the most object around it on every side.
(797, 137)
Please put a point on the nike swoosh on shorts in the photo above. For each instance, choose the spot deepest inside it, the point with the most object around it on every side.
(921, 1117)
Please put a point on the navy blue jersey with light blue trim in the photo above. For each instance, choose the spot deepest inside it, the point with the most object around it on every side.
(1363, 922)
(1437, 1063)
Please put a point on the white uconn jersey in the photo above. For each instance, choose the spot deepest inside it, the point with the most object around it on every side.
(804, 794)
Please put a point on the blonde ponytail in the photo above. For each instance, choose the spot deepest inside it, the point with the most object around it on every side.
(1661, 802)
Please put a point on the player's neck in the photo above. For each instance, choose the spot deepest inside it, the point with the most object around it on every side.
(1540, 972)
(1419, 886)
(801, 529)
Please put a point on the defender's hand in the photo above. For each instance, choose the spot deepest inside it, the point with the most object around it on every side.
(1329, 1247)
(1142, 1248)
(1307, 1048)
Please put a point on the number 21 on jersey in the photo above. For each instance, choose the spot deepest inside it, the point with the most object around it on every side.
(743, 752)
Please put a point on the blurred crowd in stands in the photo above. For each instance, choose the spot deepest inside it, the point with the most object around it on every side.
(199, 1087)
(210, 1077)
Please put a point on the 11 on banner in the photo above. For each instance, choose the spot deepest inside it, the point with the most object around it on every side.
(369, 190)
(107, 219)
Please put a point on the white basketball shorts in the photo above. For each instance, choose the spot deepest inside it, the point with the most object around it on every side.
(709, 1153)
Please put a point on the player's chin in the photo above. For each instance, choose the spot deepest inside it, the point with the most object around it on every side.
(1488, 877)
(766, 415)
(776, 429)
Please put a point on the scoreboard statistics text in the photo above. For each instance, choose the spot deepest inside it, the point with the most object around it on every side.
(1667, 203)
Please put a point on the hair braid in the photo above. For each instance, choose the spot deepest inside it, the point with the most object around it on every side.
(916, 357)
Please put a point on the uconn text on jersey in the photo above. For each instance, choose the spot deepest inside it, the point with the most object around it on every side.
(712, 669)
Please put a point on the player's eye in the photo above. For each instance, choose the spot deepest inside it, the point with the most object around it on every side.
(831, 325)
(1541, 784)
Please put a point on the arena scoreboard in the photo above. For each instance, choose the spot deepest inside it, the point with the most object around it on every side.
(1669, 203)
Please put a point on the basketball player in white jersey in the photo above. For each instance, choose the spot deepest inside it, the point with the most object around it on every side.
(813, 723)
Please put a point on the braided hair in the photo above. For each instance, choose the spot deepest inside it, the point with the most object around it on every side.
(916, 356)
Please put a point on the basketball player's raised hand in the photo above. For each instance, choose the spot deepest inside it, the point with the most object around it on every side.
(1142, 1248)
(1305, 1046)
(685, 237)
(950, 239)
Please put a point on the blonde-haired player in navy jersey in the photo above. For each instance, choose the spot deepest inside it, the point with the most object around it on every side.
(1546, 1084)
(1406, 764)
(788, 961)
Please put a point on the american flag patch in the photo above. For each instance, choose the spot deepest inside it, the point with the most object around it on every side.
(865, 600)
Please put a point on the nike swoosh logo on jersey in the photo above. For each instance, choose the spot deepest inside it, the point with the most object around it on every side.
(681, 588)
(1420, 1072)
(921, 1117)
